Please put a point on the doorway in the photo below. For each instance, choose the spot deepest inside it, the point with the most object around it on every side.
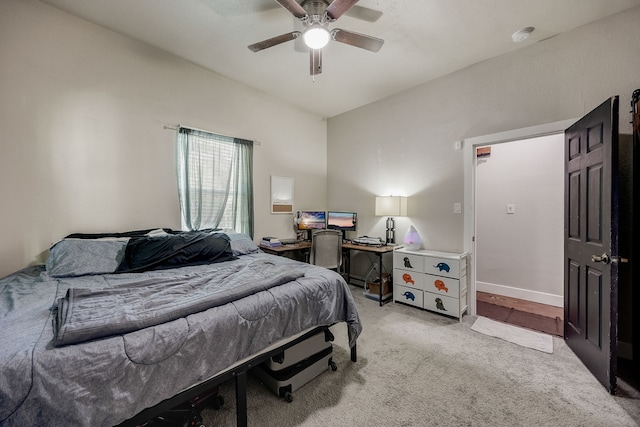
(519, 232)
(470, 145)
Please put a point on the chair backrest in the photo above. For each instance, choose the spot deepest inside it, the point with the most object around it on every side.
(326, 249)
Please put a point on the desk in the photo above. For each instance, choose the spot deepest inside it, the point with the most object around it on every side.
(347, 248)
(305, 245)
(377, 250)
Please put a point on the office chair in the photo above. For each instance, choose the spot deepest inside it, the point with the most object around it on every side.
(326, 249)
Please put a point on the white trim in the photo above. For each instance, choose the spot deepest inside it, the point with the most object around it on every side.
(525, 294)
(469, 148)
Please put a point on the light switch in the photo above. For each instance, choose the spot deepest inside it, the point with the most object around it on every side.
(511, 208)
(457, 208)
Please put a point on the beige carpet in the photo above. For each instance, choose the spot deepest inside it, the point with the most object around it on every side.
(417, 368)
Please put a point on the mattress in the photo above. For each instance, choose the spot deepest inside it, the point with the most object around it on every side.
(110, 377)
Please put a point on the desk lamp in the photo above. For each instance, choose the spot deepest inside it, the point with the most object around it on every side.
(391, 206)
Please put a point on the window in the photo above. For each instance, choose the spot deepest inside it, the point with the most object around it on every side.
(215, 181)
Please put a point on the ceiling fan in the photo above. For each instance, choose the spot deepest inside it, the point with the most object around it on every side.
(316, 15)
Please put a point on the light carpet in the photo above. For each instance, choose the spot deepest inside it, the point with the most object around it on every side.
(417, 368)
(514, 334)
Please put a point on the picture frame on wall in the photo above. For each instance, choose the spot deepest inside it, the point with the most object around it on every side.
(281, 195)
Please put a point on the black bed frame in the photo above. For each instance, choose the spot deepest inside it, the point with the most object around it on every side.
(239, 373)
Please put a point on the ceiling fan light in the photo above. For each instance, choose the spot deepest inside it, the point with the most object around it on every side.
(316, 37)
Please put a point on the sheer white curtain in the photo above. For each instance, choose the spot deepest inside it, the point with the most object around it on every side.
(215, 180)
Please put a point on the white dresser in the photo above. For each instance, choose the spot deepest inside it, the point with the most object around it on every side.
(436, 281)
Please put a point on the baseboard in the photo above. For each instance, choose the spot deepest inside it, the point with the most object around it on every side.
(525, 294)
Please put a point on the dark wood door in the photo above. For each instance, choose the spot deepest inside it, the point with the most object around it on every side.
(635, 247)
(591, 241)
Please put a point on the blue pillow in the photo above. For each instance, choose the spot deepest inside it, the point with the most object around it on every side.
(79, 257)
(241, 244)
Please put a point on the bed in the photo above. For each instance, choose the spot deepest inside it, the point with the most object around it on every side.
(115, 328)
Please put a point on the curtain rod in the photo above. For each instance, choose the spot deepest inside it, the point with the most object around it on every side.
(178, 126)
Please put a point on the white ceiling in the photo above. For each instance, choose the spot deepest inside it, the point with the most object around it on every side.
(424, 39)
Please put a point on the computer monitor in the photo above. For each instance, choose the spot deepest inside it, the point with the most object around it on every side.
(312, 220)
(344, 221)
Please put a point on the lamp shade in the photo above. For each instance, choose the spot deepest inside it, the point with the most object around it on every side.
(391, 206)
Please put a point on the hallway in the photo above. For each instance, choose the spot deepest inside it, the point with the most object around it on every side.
(527, 314)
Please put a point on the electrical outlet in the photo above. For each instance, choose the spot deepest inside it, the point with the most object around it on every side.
(457, 208)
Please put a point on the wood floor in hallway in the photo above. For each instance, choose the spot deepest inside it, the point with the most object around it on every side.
(527, 314)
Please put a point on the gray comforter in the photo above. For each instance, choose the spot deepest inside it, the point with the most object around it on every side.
(110, 378)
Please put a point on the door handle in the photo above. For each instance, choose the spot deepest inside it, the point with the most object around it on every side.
(616, 259)
(604, 258)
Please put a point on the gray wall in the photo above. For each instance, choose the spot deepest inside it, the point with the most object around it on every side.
(84, 149)
(404, 145)
(83, 146)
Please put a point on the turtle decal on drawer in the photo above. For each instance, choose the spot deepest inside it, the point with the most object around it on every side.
(442, 266)
(439, 284)
(409, 295)
(408, 279)
(439, 304)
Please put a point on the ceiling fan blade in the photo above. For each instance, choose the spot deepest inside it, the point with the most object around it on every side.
(358, 40)
(274, 41)
(338, 7)
(315, 61)
(294, 7)
(364, 13)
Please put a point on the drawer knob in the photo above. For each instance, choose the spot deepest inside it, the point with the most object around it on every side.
(439, 284)
(442, 266)
(408, 279)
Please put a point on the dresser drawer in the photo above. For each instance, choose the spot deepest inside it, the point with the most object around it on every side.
(441, 285)
(408, 278)
(407, 261)
(433, 280)
(407, 295)
(442, 266)
(442, 304)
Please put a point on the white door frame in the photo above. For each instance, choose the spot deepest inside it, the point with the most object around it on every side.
(470, 145)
